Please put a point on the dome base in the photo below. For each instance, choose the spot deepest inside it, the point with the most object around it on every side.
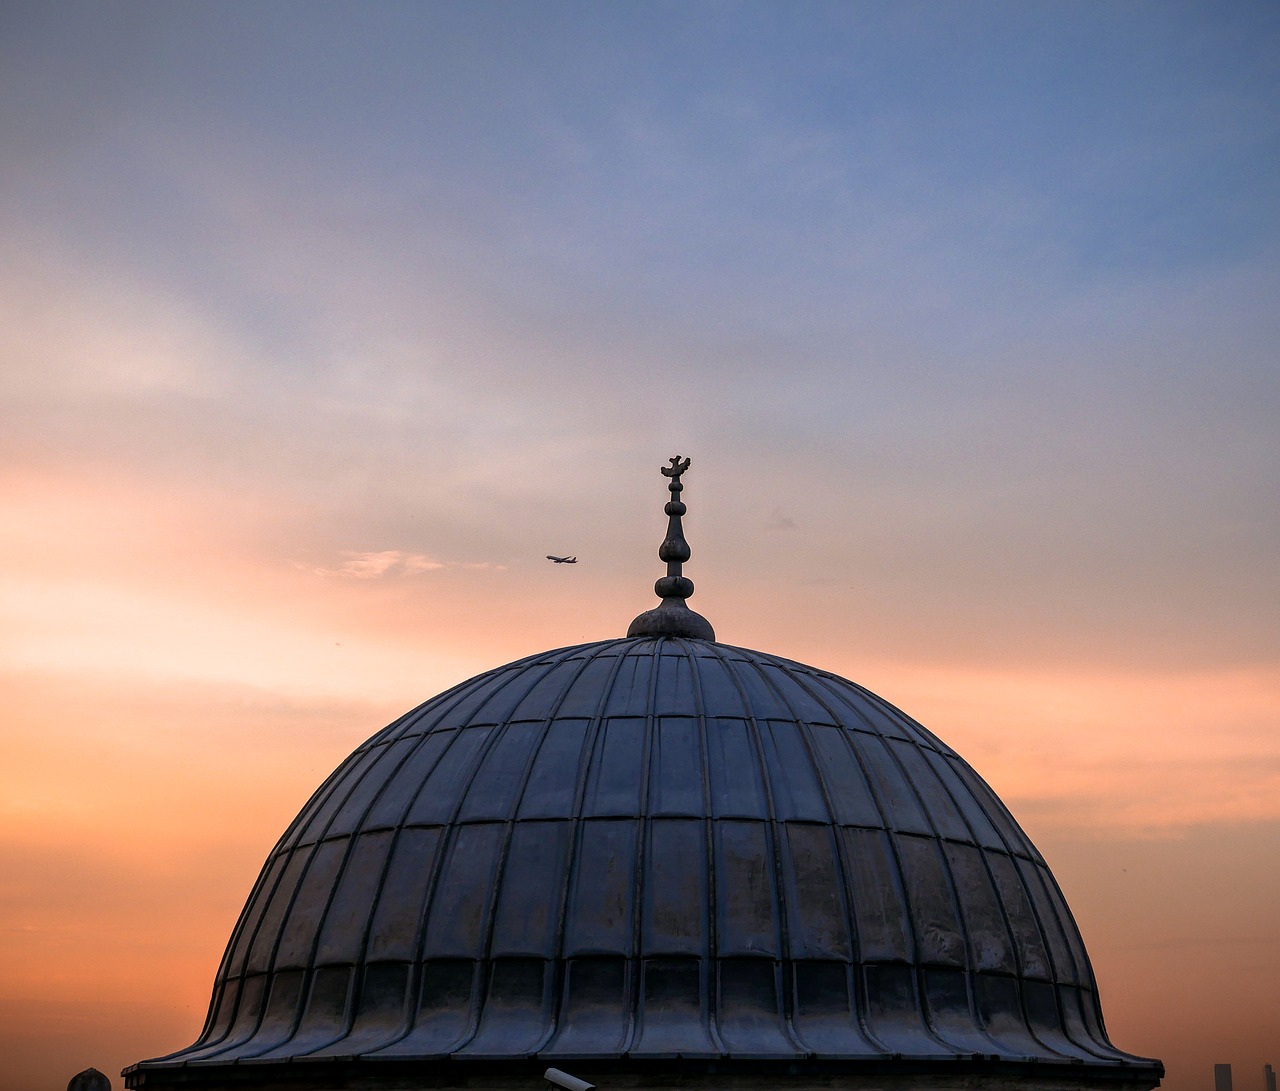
(526, 1075)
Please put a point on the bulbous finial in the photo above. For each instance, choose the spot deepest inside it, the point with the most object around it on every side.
(672, 617)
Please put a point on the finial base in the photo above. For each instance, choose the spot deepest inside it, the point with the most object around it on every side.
(672, 618)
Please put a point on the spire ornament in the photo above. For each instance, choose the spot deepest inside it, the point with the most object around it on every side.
(672, 617)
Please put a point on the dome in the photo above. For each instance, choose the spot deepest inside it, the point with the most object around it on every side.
(657, 858)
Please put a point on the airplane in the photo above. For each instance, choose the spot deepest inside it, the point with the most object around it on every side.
(562, 560)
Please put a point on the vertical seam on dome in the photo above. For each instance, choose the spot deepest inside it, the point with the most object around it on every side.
(710, 956)
(970, 954)
(270, 972)
(1033, 901)
(898, 871)
(357, 772)
(855, 941)
(1080, 955)
(1056, 905)
(278, 852)
(225, 972)
(448, 836)
(577, 826)
(352, 771)
(1000, 903)
(784, 959)
(1079, 952)
(220, 981)
(486, 956)
(440, 707)
(832, 684)
(314, 801)
(1022, 975)
(947, 754)
(637, 983)
(970, 957)
(953, 897)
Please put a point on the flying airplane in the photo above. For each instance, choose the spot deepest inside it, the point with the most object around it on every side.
(562, 560)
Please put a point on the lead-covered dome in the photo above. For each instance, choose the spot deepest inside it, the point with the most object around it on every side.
(653, 848)
(657, 859)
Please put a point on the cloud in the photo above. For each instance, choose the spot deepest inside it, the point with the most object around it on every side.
(376, 564)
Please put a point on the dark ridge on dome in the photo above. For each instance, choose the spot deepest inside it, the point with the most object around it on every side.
(653, 855)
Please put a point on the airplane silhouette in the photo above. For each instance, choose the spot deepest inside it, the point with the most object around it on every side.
(562, 560)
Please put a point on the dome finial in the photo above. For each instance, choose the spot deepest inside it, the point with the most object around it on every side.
(672, 617)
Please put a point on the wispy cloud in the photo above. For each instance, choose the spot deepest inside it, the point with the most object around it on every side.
(374, 565)
(382, 563)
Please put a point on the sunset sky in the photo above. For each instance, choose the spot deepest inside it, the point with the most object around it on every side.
(322, 323)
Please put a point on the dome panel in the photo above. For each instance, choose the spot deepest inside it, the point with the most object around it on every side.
(674, 915)
(816, 921)
(541, 699)
(675, 690)
(420, 755)
(792, 781)
(990, 945)
(959, 792)
(615, 780)
(733, 767)
(929, 892)
(629, 692)
(747, 922)
(944, 817)
(599, 920)
(440, 791)
(826, 996)
(874, 891)
(274, 910)
(459, 910)
(495, 787)
(759, 696)
(900, 806)
(368, 783)
(750, 1003)
(851, 801)
(676, 775)
(532, 890)
(400, 906)
(593, 679)
(296, 939)
(719, 689)
(552, 788)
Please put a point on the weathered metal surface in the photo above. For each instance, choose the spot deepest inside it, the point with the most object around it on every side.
(652, 852)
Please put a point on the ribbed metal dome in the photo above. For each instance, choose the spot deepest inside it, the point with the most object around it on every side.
(670, 862)
(654, 854)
